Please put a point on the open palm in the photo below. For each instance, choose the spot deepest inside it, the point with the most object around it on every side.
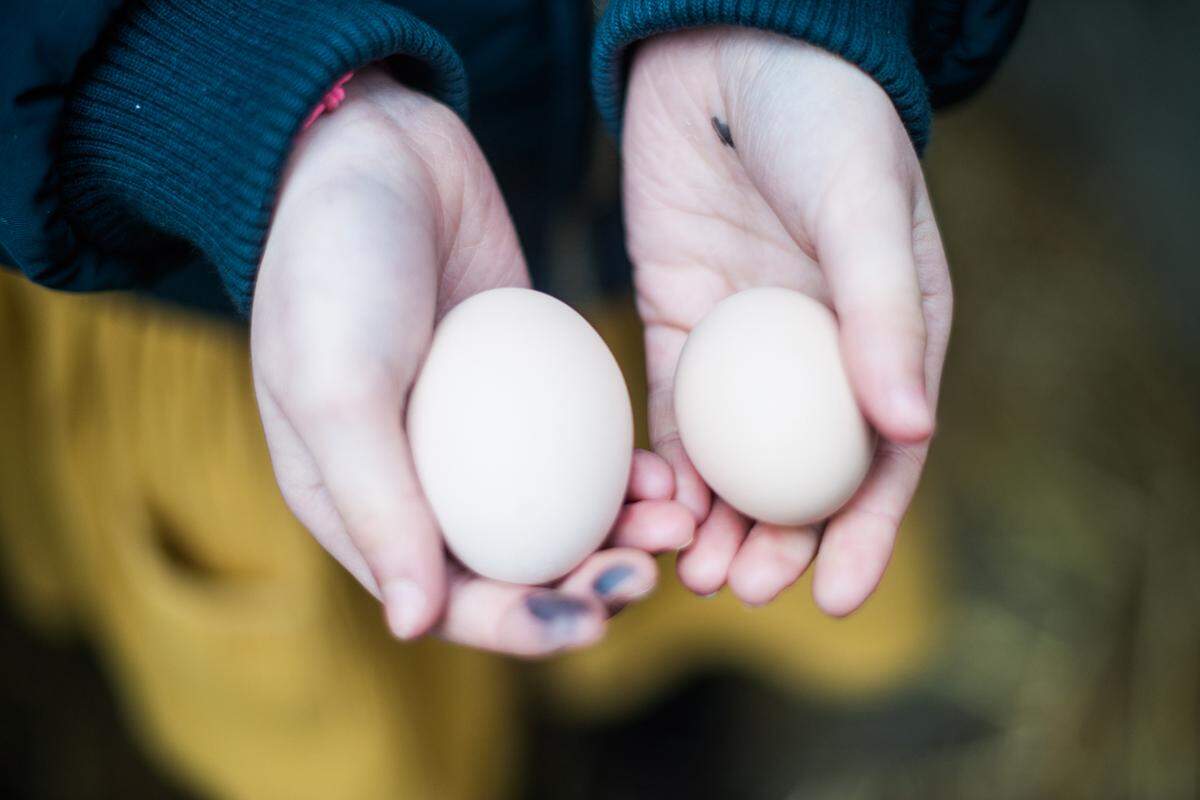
(751, 160)
(388, 217)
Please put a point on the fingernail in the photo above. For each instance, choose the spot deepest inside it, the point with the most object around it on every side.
(607, 582)
(404, 603)
(560, 614)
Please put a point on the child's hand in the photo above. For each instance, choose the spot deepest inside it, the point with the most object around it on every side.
(752, 159)
(388, 216)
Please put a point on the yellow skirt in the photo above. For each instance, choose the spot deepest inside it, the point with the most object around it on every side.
(138, 510)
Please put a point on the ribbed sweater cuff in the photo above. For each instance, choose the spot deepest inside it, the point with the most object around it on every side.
(872, 34)
(183, 124)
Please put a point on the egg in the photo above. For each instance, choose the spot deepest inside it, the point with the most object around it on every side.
(522, 435)
(765, 410)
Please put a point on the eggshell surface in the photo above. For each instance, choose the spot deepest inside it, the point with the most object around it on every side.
(765, 409)
(522, 435)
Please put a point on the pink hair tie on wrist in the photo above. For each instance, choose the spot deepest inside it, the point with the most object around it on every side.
(332, 99)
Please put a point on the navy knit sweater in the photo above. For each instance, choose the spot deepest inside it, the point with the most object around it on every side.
(142, 137)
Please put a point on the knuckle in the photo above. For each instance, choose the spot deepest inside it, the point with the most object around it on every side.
(939, 311)
(887, 518)
(367, 529)
(298, 496)
(338, 395)
(666, 441)
(908, 458)
(889, 322)
(391, 531)
(381, 561)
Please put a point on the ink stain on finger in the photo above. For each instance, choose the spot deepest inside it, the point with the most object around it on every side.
(723, 133)
(552, 606)
(559, 614)
(611, 579)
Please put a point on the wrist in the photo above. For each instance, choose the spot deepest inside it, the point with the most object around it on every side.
(179, 127)
(740, 59)
(332, 99)
(378, 127)
(872, 34)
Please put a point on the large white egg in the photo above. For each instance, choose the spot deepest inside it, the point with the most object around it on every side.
(765, 410)
(522, 434)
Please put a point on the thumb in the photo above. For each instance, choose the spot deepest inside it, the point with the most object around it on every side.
(338, 349)
(864, 243)
(363, 455)
(845, 188)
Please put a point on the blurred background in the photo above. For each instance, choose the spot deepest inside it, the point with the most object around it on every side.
(1037, 636)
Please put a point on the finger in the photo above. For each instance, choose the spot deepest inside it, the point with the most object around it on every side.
(615, 577)
(338, 356)
(304, 491)
(772, 558)
(650, 478)
(933, 275)
(704, 566)
(519, 620)
(663, 346)
(858, 542)
(865, 248)
(362, 452)
(655, 526)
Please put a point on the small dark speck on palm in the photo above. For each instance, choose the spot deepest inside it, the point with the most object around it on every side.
(723, 132)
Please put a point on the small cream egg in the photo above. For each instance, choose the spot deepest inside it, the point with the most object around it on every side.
(765, 410)
(522, 435)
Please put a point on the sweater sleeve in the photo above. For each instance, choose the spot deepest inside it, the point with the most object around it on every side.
(913, 48)
(960, 43)
(872, 34)
(177, 131)
(40, 46)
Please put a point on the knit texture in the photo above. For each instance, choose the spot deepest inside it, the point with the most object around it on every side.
(178, 133)
(873, 34)
(960, 43)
